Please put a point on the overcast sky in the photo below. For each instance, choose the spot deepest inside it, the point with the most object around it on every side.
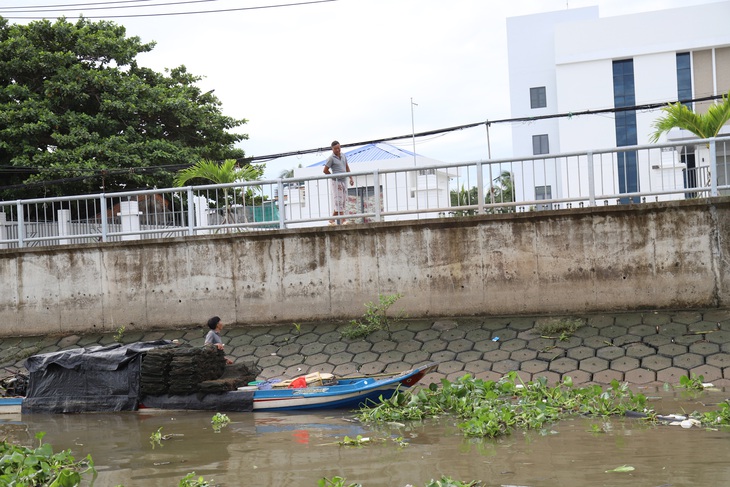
(306, 74)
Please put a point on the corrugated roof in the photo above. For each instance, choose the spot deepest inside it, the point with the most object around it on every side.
(372, 152)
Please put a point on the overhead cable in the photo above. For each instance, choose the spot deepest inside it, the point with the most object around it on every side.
(165, 14)
(648, 106)
(171, 168)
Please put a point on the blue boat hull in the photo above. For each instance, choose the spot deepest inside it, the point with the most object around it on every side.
(347, 393)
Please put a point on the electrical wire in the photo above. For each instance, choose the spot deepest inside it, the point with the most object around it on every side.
(67, 8)
(265, 158)
(73, 4)
(29, 8)
(165, 14)
(648, 106)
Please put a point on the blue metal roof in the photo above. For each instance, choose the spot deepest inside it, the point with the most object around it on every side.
(372, 152)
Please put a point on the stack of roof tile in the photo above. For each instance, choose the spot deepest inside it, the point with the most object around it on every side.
(180, 369)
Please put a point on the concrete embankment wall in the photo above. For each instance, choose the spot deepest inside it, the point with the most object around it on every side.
(651, 256)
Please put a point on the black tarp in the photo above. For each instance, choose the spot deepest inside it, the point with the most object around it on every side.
(100, 378)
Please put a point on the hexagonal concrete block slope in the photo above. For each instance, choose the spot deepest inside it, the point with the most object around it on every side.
(708, 373)
(671, 375)
(563, 365)
(640, 376)
(534, 367)
(594, 364)
(608, 376)
(656, 362)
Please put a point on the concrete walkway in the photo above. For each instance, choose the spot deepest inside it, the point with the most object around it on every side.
(645, 349)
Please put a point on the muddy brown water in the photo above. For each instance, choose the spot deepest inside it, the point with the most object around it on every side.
(267, 449)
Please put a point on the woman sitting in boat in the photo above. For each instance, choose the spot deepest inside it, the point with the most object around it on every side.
(213, 338)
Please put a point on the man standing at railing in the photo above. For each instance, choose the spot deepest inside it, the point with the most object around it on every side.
(337, 164)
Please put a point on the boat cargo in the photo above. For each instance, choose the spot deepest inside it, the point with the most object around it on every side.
(165, 375)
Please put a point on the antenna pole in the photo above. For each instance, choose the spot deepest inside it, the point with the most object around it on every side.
(413, 129)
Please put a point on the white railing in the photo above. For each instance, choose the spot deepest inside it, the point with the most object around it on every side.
(629, 175)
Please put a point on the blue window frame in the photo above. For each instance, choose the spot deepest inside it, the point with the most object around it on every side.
(684, 78)
(626, 134)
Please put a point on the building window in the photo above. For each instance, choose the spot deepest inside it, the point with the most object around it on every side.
(537, 97)
(684, 78)
(544, 193)
(540, 144)
(624, 95)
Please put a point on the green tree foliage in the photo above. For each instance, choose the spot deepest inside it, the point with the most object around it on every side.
(228, 171)
(464, 197)
(704, 126)
(500, 191)
(77, 109)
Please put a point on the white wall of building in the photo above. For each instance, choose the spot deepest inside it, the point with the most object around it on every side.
(531, 52)
(571, 53)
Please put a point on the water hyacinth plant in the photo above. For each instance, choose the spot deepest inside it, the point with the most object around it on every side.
(22, 466)
(444, 481)
(493, 409)
(219, 421)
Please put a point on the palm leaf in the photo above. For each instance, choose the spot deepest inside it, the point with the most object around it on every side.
(223, 173)
(704, 126)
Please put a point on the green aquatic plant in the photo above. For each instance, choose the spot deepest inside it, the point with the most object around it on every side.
(190, 481)
(442, 482)
(375, 318)
(335, 482)
(156, 438)
(719, 417)
(599, 429)
(692, 383)
(493, 409)
(219, 421)
(359, 440)
(449, 482)
(23, 466)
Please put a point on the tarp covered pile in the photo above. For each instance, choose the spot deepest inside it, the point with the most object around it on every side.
(122, 377)
(86, 379)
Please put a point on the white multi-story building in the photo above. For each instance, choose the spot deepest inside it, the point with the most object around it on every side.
(572, 61)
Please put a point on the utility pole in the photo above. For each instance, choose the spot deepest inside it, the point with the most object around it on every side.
(413, 129)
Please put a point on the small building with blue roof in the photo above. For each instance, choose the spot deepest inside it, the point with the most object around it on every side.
(405, 180)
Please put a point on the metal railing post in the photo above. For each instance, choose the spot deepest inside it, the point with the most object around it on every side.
(21, 224)
(104, 215)
(377, 195)
(191, 211)
(591, 180)
(280, 203)
(713, 167)
(480, 187)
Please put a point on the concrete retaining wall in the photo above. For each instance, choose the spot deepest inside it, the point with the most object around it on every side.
(663, 255)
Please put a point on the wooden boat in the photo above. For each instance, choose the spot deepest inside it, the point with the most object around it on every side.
(107, 379)
(342, 393)
(10, 405)
(345, 393)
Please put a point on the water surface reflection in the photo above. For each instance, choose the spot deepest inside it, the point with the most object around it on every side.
(268, 449)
